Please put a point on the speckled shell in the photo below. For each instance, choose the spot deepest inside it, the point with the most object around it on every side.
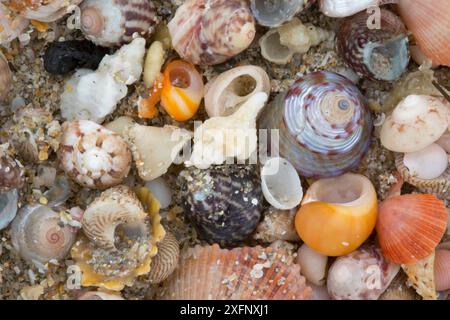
(92, 155)
(5, 78)
(277, 225)
(111, 23)
(166, 261)
(223, 202)
(211, 273)
(361, 275)
(42, 10)
(380, 54)
(11, 173)
(208, 32)
(274, 13)
(324, 124)
(8, 207)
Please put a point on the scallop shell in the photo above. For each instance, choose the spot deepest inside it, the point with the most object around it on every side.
(431, 35)
(38, 235)
(226, 93)
(277, 225)
(409, 227)
(375, 53)
(347, 8)
(239, 274)
(42, 10)
(112, 23)
(324, 124)
(209, 32)
(5, 78)
(224, 203)
(441, 270)
(8, 207)
(11, 173)
(166, 261)
(11, 25)
(274, 13)
(361, 275)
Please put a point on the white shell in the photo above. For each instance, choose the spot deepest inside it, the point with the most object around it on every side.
(444, 141)
(92, 95)
(428, 163)
(161, 191)
(415, 123)
(272, 50)
(225, 94)
(313, 265)
(120, 124)
(8, 207)
(345, 8)
(281, 184)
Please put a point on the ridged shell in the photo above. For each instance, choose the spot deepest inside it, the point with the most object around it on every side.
(442, 270)
(166, 261)
(277, 225)
(431, 34)
(223, 202)
(239, 274)
(274, 13)
(8, 207)
(112, 23)
(409, 227)
(380, 54)
(42, 10)
(11, 173)
(324, 124)
(209, 32)
(5, 78)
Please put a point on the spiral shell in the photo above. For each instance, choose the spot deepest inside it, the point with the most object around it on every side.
(11, 173)
(166, 261)
(42, 10)
(376, 53)
(223, 202)
(93, 156)
(324, 124)
(239, 274)
(8, 207)
(112, 23)
(209, 32)
(5, 78)
(11, 25)
(38, 235)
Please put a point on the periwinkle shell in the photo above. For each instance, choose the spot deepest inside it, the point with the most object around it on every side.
(324, 124)
(223, 202)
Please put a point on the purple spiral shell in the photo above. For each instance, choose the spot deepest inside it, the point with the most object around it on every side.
(324, 124)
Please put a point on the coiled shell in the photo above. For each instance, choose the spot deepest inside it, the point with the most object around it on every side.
(8, 207)
(166, 261)
(92, 155)
(324, 124)
(112, 23)
(313, 265)
(375, 53)
(209, 32)
(5, 78)
(42, 10)
(218, 274)
(223, 202)
(274, 13)
(418, 162)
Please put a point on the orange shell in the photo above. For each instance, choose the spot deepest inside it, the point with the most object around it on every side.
(442, 270)
(147, 107)
(182, 90)
(410, 227)
(239, 274)
(429, 21)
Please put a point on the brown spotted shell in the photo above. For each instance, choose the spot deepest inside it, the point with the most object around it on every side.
(165, 262)
(238, 274)
(208, 32)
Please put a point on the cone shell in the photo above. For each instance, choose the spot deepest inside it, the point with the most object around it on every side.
(211, 273)
(409, 227)
(165, 262)
(429, 21)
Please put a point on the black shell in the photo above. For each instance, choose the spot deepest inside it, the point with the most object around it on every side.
(223, 202)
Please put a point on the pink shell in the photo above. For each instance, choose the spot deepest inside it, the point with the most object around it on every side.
(442, 270)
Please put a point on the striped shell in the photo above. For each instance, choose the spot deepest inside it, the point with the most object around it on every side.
(375, 53)
(112, 23)
(239, 274)
(324, 124)
(223, 202)
(166, 261)
(209, 32)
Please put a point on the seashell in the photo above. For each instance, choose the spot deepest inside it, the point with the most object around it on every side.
(159, 188)
(276, 12)
(39, 236)
(222, 138)
(92, 95)
(92, 155)
(5, 78)
(313, 265)
(430, 34)
(277, 225)
(398, 290)
(375, 53)
(120, 124)
(272, 50)
(361, 275)
(8, 207)
(201, 38)
(33, 133)
(444, 141)
(182, 90)
(45, 177)
(218, 274)
(98, 295)
(227, 92)
(418, 162)
(42, 10)
(166, 261)
(409, 227)
(324, 124)
(421, 277)
(111, 23)
(415, 123)
(318, 292)
(419, 57)
(121, 238)
(224, 203)
(11, 173)
(155, 149)
(11, 25)
(281, 184)
(347, 8)
(441, 270)
(58, 194)
(342, 208)
(153, 63)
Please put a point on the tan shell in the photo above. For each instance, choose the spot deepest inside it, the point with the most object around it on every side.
(439, 186)
(239, 274)
(421, 277)
(5, 78)
(277, 225)
(165, 262)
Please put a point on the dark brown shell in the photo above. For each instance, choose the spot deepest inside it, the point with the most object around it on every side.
(11, 174)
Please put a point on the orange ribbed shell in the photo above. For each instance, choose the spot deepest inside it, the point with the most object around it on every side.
(410, 227)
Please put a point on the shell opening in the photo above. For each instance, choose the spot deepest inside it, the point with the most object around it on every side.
(341, 191)
(126, 234)
(243, 85)
(180, 78)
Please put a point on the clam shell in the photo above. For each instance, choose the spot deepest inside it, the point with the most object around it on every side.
(277, 225)
(239, 274)
(409, 227)
(5, 78)
(165, 262)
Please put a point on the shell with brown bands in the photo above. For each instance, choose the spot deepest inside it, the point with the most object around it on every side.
(166, 261)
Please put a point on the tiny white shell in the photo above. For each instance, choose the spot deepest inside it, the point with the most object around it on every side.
(281, 184)
(428, 163)
(161, 191)
(313, 265)
(345, 8)
(272, 49)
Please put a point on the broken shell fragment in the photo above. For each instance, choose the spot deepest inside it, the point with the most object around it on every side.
(421, 277)
(273, 13)
(272, 50)
(42, 10)
(8, 207)
(161, 190)
(5, 78)
(418, 163)
(11, 173)
(313, 265)
(277, 225)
